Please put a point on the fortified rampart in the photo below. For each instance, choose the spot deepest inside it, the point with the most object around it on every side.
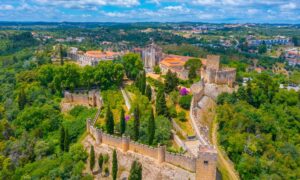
(204, 166)
(211, 72)
(88, 98)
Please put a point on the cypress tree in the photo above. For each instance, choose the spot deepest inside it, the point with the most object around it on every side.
(151, 128)
(22, 99)
(143, 82)
(109, 119)
(122, 122)
(92, 158)
(148, 92)
(66, 140)
(61, 55)
(135, 171)
(114, 165)
(161, 106)
(136, 123)
(171, 81)
(100, 161)
(62, 138)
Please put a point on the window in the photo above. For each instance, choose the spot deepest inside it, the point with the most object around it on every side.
(205, 162)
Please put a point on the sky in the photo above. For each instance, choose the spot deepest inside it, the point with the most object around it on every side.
(215, 11)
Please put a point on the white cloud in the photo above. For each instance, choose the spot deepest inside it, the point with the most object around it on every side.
(6, 7)
(89, 3)
(252, 11)
(289, 6)
(115, 14)
(176, 8)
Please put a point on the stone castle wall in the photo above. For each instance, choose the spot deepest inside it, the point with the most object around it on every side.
(191, 164)
(87, 98)
(111, 140)
(188, 163)
(143, 149)
(211, 72)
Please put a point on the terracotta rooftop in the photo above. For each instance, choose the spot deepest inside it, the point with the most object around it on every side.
(101, 54)
(175, 60)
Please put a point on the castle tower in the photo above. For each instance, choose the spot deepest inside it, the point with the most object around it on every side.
(206, 163)
(213, 62)
(125, 143)
(161, 151)
(88, 124)
(98, 136)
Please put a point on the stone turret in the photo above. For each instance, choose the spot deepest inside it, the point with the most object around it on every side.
(206, 163)
(125, 143)
(161, 154)
(98, 136)
(88, 125)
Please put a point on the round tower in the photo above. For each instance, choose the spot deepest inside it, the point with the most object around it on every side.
(98, 136)
(161, 152)
(125, 143)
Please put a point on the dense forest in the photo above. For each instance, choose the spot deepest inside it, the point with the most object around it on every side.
(259, 128)
(38, 140)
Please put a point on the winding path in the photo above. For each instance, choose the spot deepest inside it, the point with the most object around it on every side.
(223, 160)
(126, 98)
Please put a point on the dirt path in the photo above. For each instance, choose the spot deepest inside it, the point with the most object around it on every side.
(225, 165)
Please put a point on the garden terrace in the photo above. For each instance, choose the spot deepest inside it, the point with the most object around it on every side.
(114, 99)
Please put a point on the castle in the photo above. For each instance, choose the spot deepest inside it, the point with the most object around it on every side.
(90, 98)
(212, 72)
(204, 165)
(151, 56)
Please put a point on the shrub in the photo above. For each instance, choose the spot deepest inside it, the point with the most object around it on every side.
(181, 116)
(172, 112)
(185, 101)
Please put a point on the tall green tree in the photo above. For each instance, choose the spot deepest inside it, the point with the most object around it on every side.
(62, 138)
(161, 106)
(61, 54)
(132, 65)
(100, 161)
(140, 81)
(193, 65)
(66, 141)
(92, 158)
(148, 92)
(114, 165)
(135, 171)
(136, 123)
(109, 119)
(122, 122)
(262, 48)
(22, 99)
(151, 128)
(171, 81)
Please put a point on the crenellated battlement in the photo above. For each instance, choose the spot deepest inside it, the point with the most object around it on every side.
(159, 153)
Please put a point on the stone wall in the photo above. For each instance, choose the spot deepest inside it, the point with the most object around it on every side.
(143, 149)
(87, 98)
(226, 76)
(160, 154)
(188, 163)
(111, 140)
(211, 72)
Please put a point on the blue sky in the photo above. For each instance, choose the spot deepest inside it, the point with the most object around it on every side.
(228, 11)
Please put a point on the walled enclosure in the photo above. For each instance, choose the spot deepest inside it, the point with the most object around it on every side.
(88, 98)
(211, 72)
(204, 166)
